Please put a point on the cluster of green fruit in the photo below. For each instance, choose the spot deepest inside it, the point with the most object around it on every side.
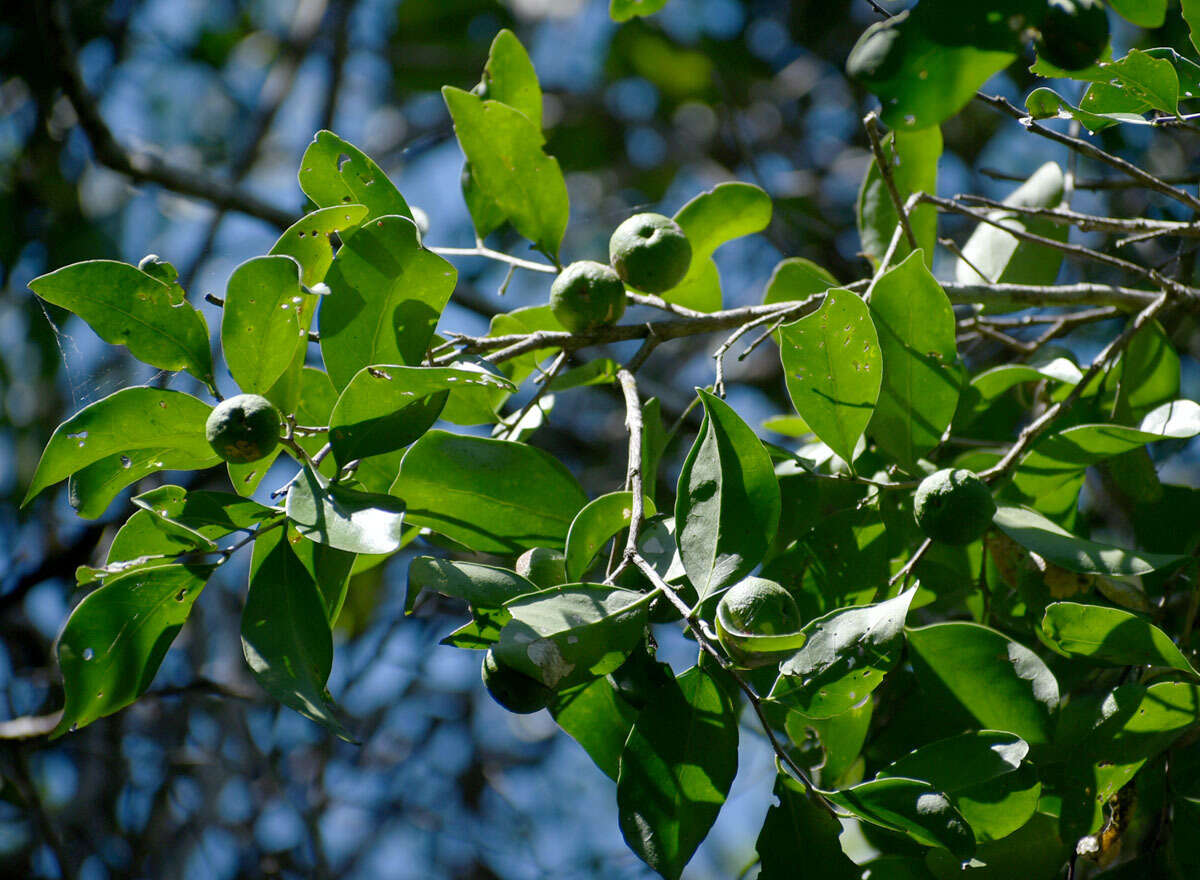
(649, 252)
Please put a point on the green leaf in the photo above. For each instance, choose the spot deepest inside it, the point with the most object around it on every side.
(1059, 458)
(833, 367)
(261, 328)
(1149, 373)
(723, 213)
(912, 157)
(919, 80)
(1046, 103)
(357, 522)
(623, 10)
(571, 633)
(1005, 259)
(125, 306)
(999, 683)
(211, 514)
(285, 632)
(509, 77)
(1131, 725)
(847, 654)
(330, 569)
(799, 837)
(727, 503)
(386, 295)
(842, 737)
(504, 150)
(1144, 77)
(910, 807)
(989, 385)
(676, 769)
(387, 406)
(115, 639)
(1111, 636)
(984, 773)
(1047, 539)
(494, 496)
(1143, 13)
(91, 489)
(335, 173)
(595, 525)
(598, 718)
(796, 279)
(483, 586)
(1035, 850)
(307, 240)
(132, 418)
(1191, 15)
(146, 534)
(921, 374)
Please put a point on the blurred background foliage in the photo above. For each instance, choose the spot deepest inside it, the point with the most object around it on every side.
(204, 778)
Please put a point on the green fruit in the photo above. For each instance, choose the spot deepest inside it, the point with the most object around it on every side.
(514, 690)
(543, 566)
(244, 428)
(587, 295)
(755, 607)
(650, 252)
(1074, 33)
(953, 506)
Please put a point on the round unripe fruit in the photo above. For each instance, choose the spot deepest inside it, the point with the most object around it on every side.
(514, 690)
(650, 252)
(587, 295)
(244, 428)
(1074, 33)
(755, 607)
(543, 567)
(953, 506)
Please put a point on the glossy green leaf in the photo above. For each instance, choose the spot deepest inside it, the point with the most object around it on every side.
(833, 367)
(912, 157)
(483, 586)
(1149, 374)
(335, 173)
(799, 837)
(623, 10)
(598, 718)
(357, 522)
(1034, 851)
(386, 295)
(727, 503)
(1191, 15)
(1058, 458)
(260, 325)
(1149, 79)
(595, 525)
(1143, 13)
(918, 80)
(723, 213)
(92, 489)
(676, 770)
(504, 149)
(984, 773)
(509, 77)
(842, 737)
(846, 656)
(494, 496)
(911, 807)
(1047, 539)
(115, 639)
(993, 256)
(989, 385)
(126, 306)
(1046, 103)
(388, 406)
(146, 534)
(921, 374)
(1111, 636)
(307, 240)
(1131, 725)
(212, 514)
(330, 569)
(285, 632)
(998, 682)
(571, 633)
(132, 418)
(796, 279)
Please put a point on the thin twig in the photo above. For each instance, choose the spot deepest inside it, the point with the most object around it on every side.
(543, 385)
(1143, 177)
(1037, 427)
(1054, 295)
(870, 123)
(633, 468)
(499, 256)
(1089, 222)
(903, 573)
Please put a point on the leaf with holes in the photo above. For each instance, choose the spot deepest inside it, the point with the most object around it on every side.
(335, 173)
